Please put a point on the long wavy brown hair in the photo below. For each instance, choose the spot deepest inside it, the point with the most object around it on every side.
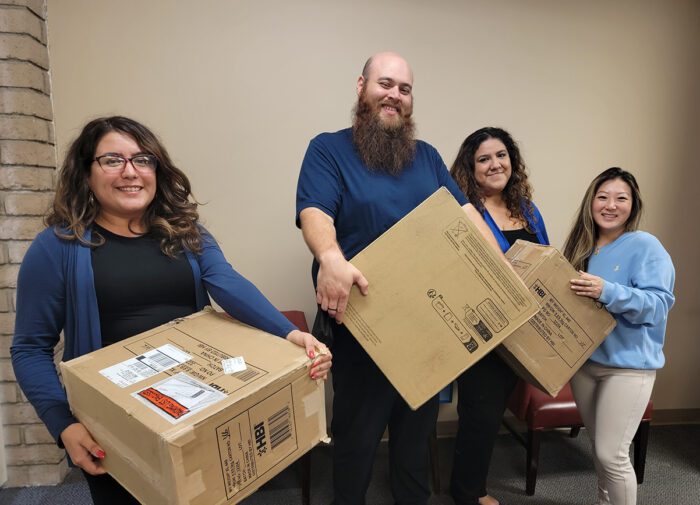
(517, 194)
(580, 243)
(172, 215)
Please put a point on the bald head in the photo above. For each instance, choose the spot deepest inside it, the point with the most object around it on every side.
(385, 58)
(389, 71)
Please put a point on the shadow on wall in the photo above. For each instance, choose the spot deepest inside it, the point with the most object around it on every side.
(679, 229)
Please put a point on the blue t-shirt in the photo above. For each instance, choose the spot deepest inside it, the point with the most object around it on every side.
(365, 203)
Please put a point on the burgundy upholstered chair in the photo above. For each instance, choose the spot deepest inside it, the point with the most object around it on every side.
(540, 412)
(299, 320)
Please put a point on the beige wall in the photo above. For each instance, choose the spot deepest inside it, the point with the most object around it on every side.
(237, 89)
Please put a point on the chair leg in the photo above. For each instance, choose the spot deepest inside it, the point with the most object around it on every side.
(305, 462)
(434, 463)
(640, 450)
(533, 457)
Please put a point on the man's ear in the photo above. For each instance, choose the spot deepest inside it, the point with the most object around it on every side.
(360, 84)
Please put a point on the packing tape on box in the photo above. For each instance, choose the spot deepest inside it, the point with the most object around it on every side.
(184, 435)
(314, 405)
(313, 402)
(194, 481)
(195, 485)
(127, 454)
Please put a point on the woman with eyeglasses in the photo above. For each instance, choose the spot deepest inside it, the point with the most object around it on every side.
(123, 252)
(492, 174)
(629, 272)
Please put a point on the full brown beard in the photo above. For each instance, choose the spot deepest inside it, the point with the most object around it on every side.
(382, 147)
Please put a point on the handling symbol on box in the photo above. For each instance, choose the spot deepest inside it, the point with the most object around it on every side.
(460, 228)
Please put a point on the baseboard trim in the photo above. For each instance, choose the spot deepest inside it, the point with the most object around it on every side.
(675, 416)
(446, 429)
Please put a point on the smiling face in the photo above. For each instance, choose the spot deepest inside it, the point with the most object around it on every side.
(388, 89)
(123, 195)
(492, 168)
(611, 207)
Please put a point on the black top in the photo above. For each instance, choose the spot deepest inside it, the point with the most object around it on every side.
(137, 286)
(522, 234)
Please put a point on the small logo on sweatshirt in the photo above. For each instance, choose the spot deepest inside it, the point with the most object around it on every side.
(617, 268)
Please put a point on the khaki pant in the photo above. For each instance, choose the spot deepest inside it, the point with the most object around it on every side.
(611, 402)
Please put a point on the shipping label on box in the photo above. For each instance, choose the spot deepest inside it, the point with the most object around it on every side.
(180, 426)
(440, 298)
(555, 343)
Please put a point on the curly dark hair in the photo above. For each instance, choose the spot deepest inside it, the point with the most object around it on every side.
(517, 194)
(172, 215)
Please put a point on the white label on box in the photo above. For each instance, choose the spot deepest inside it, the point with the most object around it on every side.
(178, 397)
(233, 365)
(147, 365)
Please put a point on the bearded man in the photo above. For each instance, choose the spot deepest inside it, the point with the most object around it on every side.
(353, 186)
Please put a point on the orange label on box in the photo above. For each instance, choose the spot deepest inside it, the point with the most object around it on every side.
(164, 402)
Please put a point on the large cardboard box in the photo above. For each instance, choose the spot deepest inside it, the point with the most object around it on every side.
(178, 429)
(556, 342)
(440, 299)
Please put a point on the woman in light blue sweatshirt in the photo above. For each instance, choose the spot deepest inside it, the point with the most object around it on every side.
(630, 273)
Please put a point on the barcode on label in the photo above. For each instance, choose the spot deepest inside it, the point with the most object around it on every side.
(139, 370)
(280, 428)
(162, 359)
(246, 375)
(142, 367)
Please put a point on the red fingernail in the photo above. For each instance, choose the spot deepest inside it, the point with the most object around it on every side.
(311, 355)
(101, 454)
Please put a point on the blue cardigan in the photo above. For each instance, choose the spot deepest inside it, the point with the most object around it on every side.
(537, 227)
(56, 293)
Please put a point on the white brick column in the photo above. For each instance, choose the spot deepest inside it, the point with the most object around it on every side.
(27, 175)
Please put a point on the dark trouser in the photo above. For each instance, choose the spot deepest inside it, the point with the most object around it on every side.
(107, 491)
(483, 393)
(364, 403)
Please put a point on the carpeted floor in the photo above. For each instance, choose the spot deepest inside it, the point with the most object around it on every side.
(565, 475)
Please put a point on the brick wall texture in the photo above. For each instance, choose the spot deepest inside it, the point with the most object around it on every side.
(27, 177)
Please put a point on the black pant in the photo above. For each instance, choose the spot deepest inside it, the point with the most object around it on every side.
(364, 403)
(483, 392)
(104, 490)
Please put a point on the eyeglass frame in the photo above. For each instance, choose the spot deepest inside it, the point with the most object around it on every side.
(127, 160)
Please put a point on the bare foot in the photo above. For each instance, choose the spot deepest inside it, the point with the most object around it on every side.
(488, 500)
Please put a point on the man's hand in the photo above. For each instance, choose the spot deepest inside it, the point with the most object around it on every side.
(336, 276)
(82, 449)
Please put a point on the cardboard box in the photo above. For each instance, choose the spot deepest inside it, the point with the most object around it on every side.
(557, 341)
(193, 434)
(440, 298)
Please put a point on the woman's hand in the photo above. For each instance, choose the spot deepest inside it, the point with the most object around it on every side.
(319, 354)
(82, 449)
(588, 285)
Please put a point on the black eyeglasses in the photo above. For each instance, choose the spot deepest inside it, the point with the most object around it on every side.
(112, 163)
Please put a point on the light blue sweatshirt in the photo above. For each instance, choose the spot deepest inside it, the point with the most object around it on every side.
(638, 292)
